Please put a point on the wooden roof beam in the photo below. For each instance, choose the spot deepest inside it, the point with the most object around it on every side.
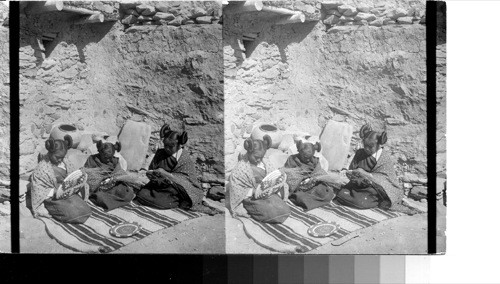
(236, 7)
(95, 18)
(81, 11)
(39, 7)
(281, 11)
(299, 17)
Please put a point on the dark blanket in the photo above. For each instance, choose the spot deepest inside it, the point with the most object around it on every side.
(181, 183)
(297, 171)
(380, 182)
(111, 194)
(314, 193)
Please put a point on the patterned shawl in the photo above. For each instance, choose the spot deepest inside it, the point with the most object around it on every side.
(183, 174)
(384, 180)
(242, 180)
(43, 180)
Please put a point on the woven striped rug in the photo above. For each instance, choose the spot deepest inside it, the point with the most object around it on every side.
(93, 236)
(291, 236)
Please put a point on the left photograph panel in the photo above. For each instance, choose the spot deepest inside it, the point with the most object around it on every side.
(5, 211)
(121, 116)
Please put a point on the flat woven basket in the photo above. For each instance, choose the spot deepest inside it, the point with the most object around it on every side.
(73, 183)
(272, 183)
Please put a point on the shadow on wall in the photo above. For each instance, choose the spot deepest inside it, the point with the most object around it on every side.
(296, 32)
(266, 29)
(58, 28)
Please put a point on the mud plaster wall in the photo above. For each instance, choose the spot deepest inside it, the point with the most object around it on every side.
(298, 77)
(97, 76)
(4, 104)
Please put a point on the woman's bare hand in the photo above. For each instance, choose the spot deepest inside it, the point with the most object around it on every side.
(162, 172)
(150, 174)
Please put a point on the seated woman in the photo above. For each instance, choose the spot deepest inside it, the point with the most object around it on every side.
(304, 164)
(173, 178)
(106, 188)
(373, 181)
(309, 183)
(245, 180)
(49, 174)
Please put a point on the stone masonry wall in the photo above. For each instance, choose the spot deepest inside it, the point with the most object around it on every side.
(357, 12)
(173, 13)
(441, 101)
(299, 76)
(373, 14)
(97, 76)
(4, 97)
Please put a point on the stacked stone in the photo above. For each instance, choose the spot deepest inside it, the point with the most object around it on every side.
(172, 14)
(213, 186)
(339, 14)
(4, 113)
(4, 15)
(441, 119)
(4, 107)
(4, 208)
(415, 186)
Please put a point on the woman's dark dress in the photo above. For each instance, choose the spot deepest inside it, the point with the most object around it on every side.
(358, 193)
(182, 190)
(110, 198)
(315, 194)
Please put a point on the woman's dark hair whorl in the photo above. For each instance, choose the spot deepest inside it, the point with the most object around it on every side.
(99, 145)
(267, 141)
(164, 129)
(50, 144)
(248, 145)
(118, 146)
(382, 138)
(166, 132)
(365, 131)
(53, 145)
(68, 141)
(317, 147)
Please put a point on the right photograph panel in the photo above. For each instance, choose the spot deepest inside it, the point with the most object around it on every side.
(326, 127)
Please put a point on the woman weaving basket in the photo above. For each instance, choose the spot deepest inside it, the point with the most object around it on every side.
(249, 193)
(110, 186)
(173, 178)
(50, 195)
(310, 185)
(373, 181)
